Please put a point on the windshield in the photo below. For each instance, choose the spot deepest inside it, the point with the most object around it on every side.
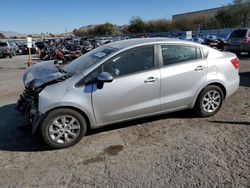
(3, 44)
(238, 33)
(89, 59)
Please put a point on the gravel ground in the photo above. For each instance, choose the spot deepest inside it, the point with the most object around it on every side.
(173, 150)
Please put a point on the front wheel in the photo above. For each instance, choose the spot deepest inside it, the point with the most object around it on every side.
(63, 128)
(209, 101)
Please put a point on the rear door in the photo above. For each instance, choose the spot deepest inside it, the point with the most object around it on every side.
(182, 74)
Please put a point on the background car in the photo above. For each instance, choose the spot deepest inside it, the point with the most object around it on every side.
(15, 46)
(40, 45)
(239, 41)
(25, 49)
(7, 50)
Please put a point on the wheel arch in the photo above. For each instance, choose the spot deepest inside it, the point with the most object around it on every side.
(218, 84)
(221, 86)
(75, 109)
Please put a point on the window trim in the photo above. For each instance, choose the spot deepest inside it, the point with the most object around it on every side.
(161, 64)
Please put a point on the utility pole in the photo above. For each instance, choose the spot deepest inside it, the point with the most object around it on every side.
(199, 28)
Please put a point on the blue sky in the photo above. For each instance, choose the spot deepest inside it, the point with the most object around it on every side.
(36, 16)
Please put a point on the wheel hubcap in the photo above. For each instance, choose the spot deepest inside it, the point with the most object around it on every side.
(64, 129)
(211, 101)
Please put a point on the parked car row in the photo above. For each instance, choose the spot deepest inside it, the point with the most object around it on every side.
(61, 48)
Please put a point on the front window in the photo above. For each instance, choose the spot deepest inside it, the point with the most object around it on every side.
(89, 59)
(131, 61)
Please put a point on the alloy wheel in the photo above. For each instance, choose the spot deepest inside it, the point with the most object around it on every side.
(211, 101)
(64, 129)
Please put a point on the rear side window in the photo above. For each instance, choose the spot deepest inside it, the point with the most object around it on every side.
(3, 44)
(173, 54)
(238, 33)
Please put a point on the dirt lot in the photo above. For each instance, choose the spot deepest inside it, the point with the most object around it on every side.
(174, 150)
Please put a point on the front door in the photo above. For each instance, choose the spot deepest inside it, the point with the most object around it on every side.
(134, 91)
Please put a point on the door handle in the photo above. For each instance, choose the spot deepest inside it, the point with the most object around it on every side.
(199, 68)
(150, 80)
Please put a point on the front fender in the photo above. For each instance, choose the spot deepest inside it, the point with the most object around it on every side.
(59, 96)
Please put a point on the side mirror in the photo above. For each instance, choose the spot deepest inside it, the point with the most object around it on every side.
(105, 77)
(102, 78)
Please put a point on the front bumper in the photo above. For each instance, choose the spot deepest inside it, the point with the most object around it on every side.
(37, 121)
(27, 104)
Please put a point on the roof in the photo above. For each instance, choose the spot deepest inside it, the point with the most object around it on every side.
(200, 11)
(141, 41)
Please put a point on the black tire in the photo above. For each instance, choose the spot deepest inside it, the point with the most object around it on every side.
(46, 125)
(238, 53)
(10, 55)
(200, 109)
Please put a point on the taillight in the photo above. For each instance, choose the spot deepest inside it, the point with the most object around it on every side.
(246, 40)
(236, 63)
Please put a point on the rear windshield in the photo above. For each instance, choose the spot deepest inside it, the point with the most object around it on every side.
(3, 44)
(238, 33)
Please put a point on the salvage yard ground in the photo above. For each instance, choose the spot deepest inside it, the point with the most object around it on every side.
(173, 150)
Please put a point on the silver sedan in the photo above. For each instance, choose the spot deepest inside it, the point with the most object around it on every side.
(125, 80)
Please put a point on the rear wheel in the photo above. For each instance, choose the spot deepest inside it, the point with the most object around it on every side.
(63, 128)
(209, 101)
(10, 55)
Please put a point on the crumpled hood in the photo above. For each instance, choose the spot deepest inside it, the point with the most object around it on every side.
(41, 73)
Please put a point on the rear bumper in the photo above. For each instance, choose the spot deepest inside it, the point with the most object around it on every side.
(241, 48)
(232, 87)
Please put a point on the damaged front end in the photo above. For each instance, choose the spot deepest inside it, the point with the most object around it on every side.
(35, 79)
(27, 104)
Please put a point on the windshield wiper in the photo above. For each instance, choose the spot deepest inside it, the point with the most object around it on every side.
(60, 69)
